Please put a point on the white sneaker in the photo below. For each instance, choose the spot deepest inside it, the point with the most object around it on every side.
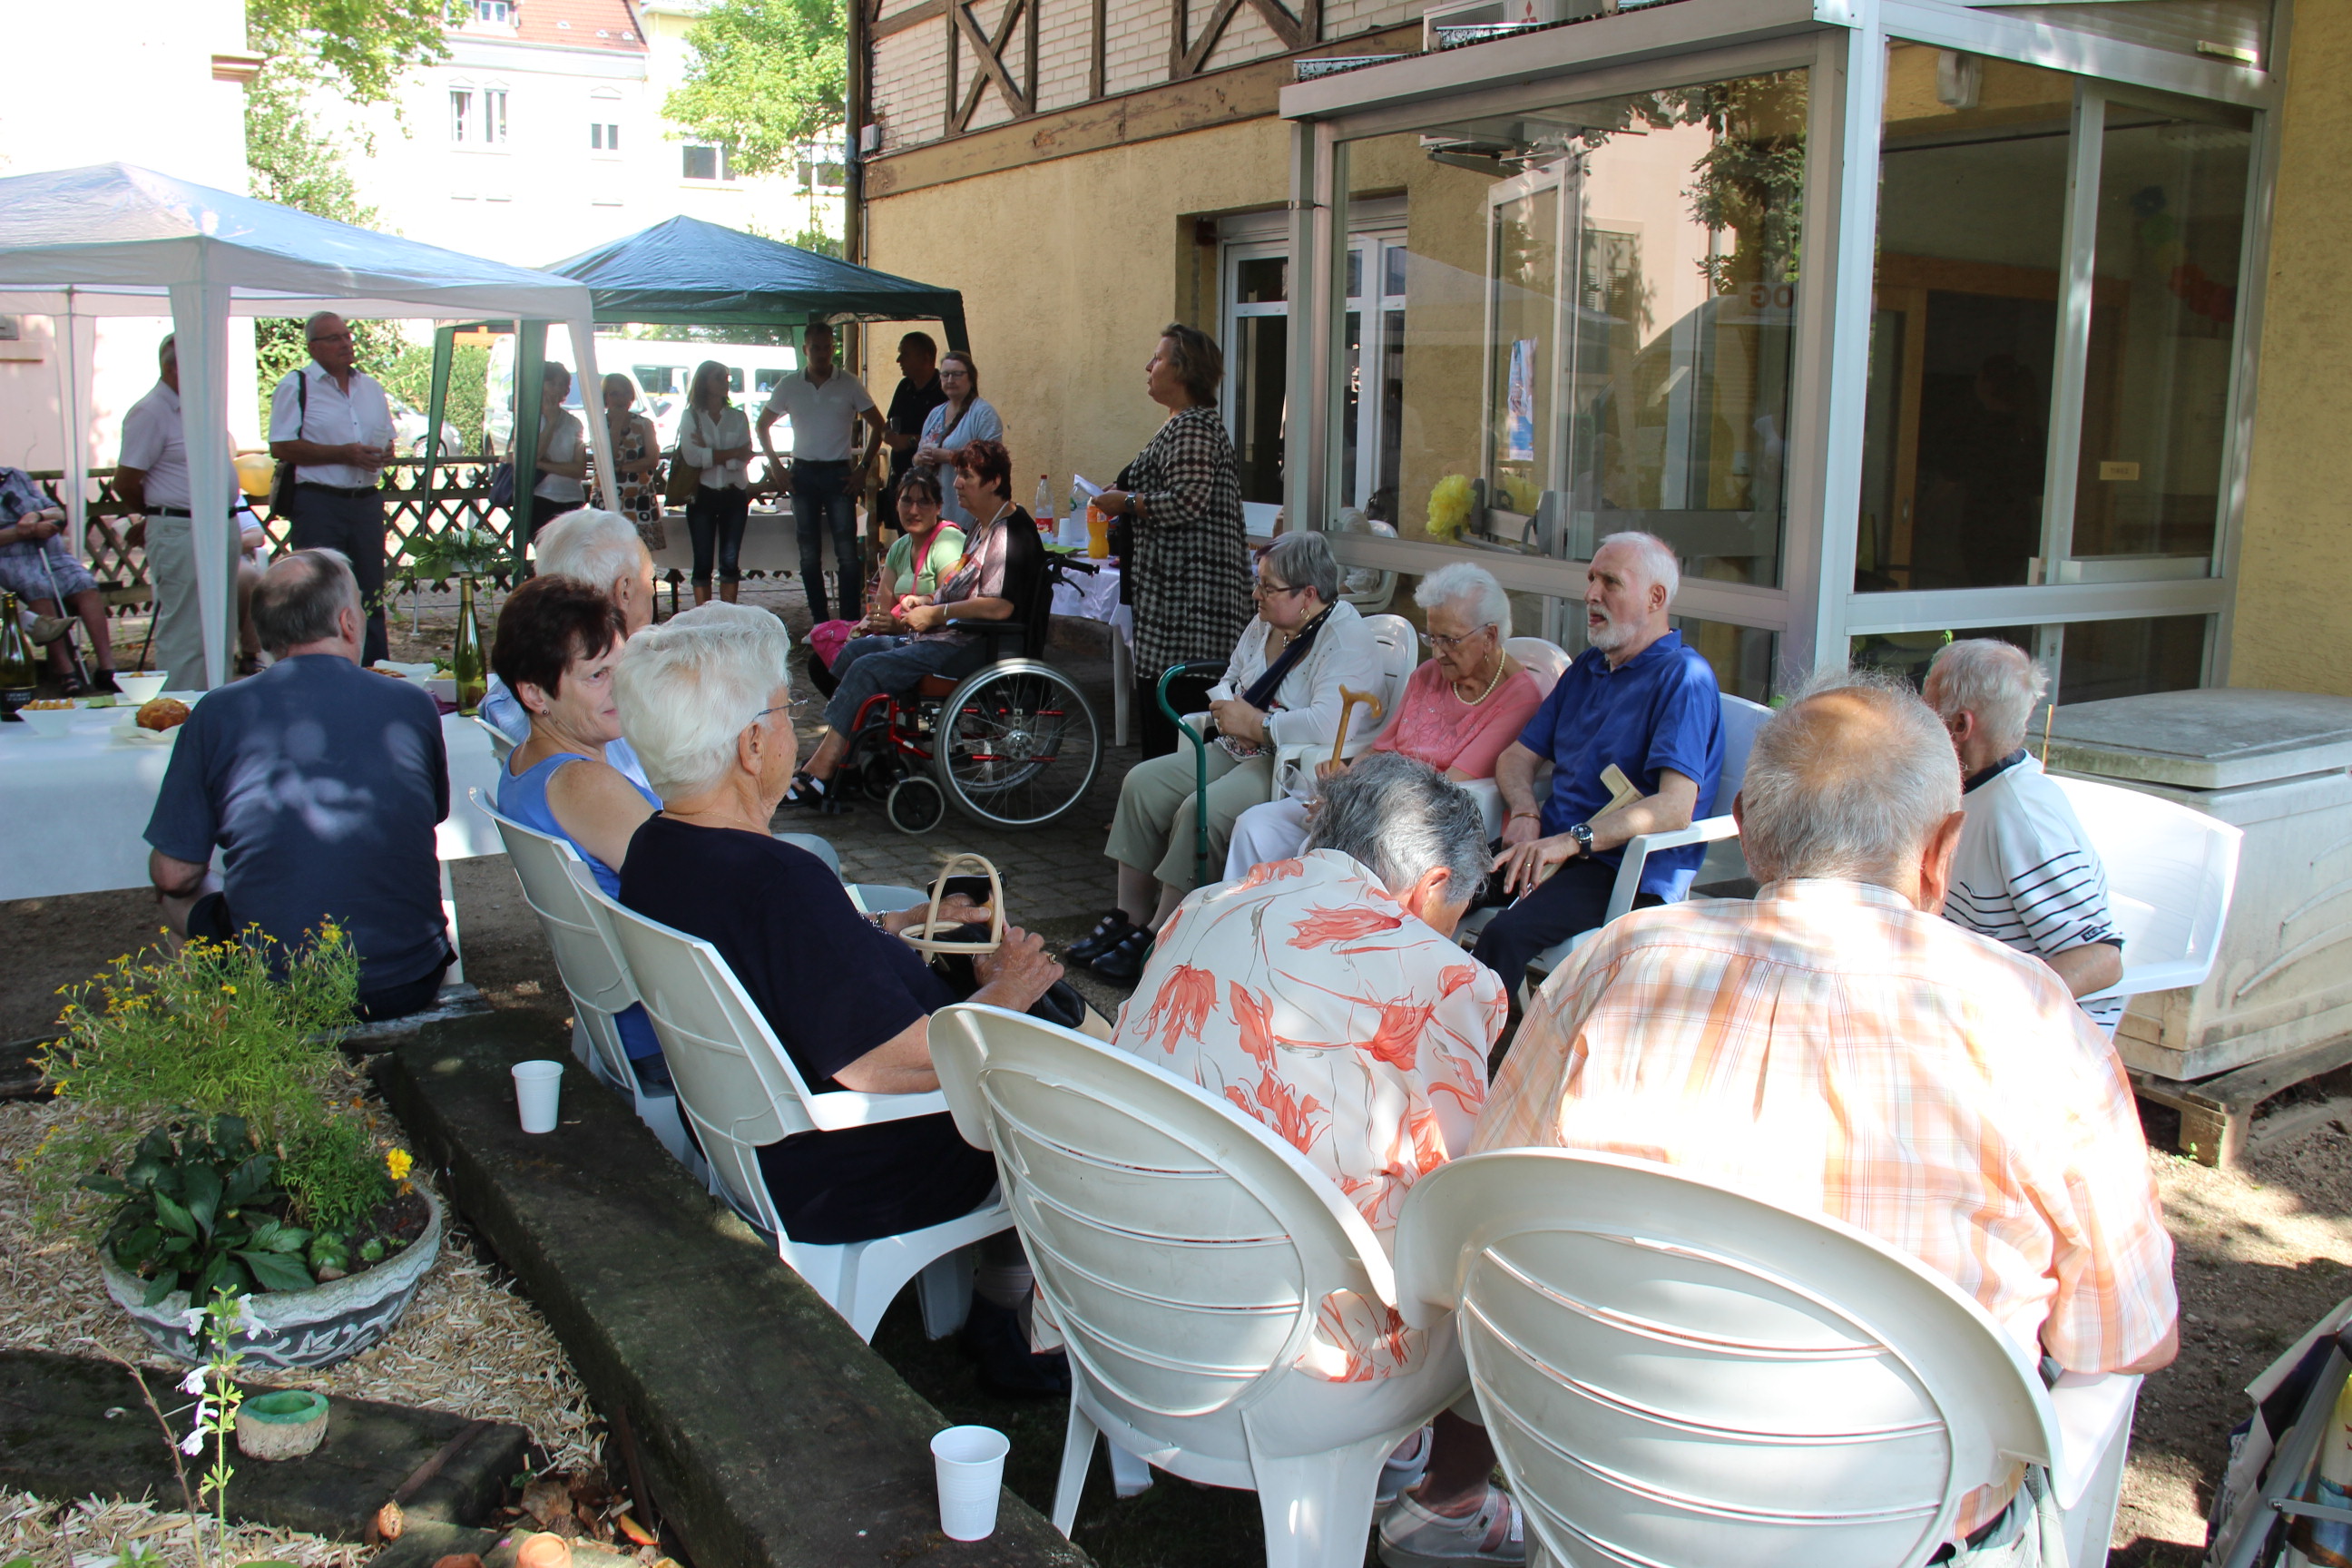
(1413, 1537)
(1404, 1468)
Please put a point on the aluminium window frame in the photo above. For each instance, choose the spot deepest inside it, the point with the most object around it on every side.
(1843, 43)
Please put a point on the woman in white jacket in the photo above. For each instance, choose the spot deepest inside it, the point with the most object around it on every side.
(716, 437)
(1282, 688)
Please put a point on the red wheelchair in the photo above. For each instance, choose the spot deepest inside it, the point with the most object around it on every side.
(1014, 745)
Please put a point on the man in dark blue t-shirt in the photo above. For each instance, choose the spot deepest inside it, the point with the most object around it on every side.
(1638, 701)
(320, 784)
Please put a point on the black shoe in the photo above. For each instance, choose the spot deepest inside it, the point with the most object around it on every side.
(1008, 1367)
(103, 680)
(818, 795)
(1101, 940)
(1123, 961)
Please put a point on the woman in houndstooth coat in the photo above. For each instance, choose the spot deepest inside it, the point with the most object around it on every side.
(1188, 575)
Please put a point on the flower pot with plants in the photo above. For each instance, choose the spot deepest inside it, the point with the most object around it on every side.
(222, 1144)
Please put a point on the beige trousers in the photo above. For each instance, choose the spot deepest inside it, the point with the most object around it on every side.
(1153, 826)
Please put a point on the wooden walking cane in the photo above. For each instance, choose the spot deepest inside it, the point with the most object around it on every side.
(1349, 698)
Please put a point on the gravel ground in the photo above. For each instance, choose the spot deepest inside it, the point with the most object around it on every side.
(2261, 1252)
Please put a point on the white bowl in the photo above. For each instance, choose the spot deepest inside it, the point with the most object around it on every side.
(139, 688)
(47, 723)
(444, 686)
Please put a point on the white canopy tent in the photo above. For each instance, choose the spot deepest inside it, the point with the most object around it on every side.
(116, 241)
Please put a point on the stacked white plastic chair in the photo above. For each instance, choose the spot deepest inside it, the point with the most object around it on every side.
(1678, 1375)
(2170, 874)
(1184, 1249)
(553, 875)
(739, 1091)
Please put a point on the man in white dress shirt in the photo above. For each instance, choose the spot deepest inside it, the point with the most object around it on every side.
(2025, 874)
(826, 404)
(332, 423)
(151, 480)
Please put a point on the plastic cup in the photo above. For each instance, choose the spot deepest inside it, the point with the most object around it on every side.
(537, 1085)
(970, 1465)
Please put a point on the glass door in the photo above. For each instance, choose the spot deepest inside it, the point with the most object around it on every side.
(1520, 421)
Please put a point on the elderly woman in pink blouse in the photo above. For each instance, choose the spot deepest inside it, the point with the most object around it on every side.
(1459, 711)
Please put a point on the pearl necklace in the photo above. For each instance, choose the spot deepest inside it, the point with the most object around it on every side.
(1500, 665)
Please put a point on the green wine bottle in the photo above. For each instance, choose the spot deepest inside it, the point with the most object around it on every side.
(18, 670)
(467, 664)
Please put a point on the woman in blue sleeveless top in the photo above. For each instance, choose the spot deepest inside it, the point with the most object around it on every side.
(557, 644)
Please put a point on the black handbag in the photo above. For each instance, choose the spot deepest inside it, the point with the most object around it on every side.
(938, 941)
(281, 482)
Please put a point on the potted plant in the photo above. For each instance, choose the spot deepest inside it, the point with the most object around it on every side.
(226, 1146)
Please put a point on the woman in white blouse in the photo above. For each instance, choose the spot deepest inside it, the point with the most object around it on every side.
(716, 437)
(1306, 644)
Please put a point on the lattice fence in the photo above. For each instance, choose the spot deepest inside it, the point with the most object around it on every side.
(460, 497)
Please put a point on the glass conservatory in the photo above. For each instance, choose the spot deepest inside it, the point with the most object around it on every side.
(1894, 318)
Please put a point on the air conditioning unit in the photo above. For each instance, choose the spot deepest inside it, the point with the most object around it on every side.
(1465, 21)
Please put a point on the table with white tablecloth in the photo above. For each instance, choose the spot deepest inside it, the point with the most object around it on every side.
(78, 803)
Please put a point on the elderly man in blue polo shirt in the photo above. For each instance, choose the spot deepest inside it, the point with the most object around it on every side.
(1636, 702)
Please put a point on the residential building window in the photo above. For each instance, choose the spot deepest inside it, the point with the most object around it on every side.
(461, 115)
(604, 136)
(702, 161)
(494, 115)
(501, 11)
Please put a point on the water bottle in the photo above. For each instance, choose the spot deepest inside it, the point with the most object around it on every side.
(1043, 511)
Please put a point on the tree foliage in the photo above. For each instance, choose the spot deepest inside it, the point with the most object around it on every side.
(359, 47)
(764, 77)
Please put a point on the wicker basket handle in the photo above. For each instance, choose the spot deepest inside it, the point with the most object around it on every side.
(922, 937)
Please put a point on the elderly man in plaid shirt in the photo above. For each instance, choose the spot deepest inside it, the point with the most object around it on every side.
(1835, 1046)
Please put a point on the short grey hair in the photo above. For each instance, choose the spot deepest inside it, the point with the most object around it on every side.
(168, 351)
(1401, 819)
(311, 326)
(1473, 589)
(590, 546)
(687, 688)
(301, 598)
(1998, 681)
(1304, 561)
(1850, 780)
(1657, 558)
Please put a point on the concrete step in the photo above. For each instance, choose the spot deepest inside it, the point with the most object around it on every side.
(767, 1433)
(74, 1427)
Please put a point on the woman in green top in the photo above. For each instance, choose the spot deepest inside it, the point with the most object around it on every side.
(924, 555)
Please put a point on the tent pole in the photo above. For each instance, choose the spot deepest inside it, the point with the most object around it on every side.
(530, 373)
(445, 348)
(592, 411)
(75, 457)
(199, 323)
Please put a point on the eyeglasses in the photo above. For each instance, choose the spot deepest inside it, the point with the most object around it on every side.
(1443, 644)
(1265, 590)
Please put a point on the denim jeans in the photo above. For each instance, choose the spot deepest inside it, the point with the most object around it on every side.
(820, 498)
(714, 520)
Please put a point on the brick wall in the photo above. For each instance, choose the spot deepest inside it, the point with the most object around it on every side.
(911, 68)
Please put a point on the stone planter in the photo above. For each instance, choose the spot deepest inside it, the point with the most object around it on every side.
(298, 1330)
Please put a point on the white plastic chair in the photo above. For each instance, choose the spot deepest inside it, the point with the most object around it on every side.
(1399, 650)
(1184, 1249)
(552, 873)
(502, 744)
(1742, 721)
(1546, 662)
(2170, 874)
(1679, 1375)
(741, 1090)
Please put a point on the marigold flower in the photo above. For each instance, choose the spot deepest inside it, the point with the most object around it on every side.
(398, 1162)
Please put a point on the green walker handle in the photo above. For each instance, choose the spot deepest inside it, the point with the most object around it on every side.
(1199, 761)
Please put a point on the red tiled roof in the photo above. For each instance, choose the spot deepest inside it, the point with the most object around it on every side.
(581, 24)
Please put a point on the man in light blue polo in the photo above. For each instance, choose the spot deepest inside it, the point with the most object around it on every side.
(1638, 701)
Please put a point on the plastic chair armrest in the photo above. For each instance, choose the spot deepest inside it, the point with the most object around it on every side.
(2093, 1410)
(1638, 848)
(845, 1107)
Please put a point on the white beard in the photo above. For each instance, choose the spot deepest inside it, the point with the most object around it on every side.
(1611, 635)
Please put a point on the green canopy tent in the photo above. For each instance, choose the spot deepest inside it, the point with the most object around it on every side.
(687, 272)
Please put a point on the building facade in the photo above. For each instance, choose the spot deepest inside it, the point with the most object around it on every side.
(542, 135)
(1895, 318)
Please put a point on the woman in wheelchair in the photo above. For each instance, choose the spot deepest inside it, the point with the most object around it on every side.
(1000, 582)
(925, 554)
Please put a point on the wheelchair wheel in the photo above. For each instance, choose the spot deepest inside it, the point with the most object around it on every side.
(878, 774)
(1017, 746)
(916, 805)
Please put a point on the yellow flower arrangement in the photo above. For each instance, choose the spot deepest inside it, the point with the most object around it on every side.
(1449, 507)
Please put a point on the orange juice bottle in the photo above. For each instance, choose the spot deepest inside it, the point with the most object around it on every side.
(1097, 531)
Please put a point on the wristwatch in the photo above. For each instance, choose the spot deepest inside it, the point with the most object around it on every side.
(1582, 834)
